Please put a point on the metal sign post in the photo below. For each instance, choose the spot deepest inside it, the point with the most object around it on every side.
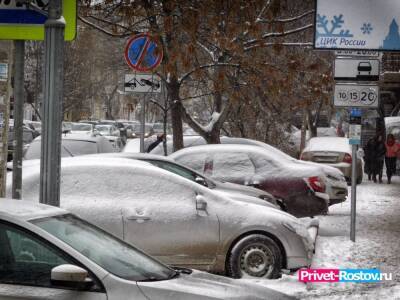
(18, 118)
(354, 140)
(52, 106)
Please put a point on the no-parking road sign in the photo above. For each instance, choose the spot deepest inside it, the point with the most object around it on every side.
(143, 53)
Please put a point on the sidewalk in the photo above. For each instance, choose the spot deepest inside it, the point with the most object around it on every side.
(377, 246)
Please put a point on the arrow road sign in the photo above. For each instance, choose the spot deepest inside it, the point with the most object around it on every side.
(143, 53)
(142, 83)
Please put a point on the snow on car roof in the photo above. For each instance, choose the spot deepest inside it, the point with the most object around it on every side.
(28, 210)
(340, 144)
(79, 137)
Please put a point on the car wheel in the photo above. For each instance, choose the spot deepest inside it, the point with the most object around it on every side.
(359, 180)
(256, 256)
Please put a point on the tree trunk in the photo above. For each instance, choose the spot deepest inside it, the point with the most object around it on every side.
(176, 114)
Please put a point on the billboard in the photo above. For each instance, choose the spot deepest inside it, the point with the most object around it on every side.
(357, 25)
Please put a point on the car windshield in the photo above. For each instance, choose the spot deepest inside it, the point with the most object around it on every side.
(181, 171)
(138, 128)
(103, 128)
(110, 253)
(81, 127)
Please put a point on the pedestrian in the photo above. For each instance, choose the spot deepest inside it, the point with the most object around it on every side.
(154, 144)
(378, 158)
(392, 150)
(368, 157)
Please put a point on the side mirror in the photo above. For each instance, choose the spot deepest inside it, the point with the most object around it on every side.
(200, 180)
(70, 276)
(201, 203)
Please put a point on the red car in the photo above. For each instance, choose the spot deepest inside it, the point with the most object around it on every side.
(301, 187)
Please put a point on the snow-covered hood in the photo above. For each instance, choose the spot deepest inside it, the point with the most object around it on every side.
(201, 285)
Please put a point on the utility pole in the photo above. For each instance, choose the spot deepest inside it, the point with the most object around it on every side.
(19, 57)
(6, 91)
(50, 162)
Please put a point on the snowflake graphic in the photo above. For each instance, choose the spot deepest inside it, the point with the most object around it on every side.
(366, 28)
(331, 28)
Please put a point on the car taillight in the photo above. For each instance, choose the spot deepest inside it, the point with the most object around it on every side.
(305, 156)
(347, 158)
(316, 184)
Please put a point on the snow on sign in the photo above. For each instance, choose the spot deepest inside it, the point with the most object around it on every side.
(142, 83)
(356, 69)
(24, 19)
(356, 95)
(143, 53)
(357, 24)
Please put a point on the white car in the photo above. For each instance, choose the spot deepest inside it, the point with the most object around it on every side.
(177, 220)
(47, 253)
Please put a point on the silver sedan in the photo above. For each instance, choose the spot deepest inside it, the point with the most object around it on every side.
(179, 221)
(47, 253)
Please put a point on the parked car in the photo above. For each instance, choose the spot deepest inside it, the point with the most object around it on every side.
(235, 191)
(335, 152)
(73, 145)
(177, 220)
(335, 182)
(52, 254)
(28, 135)
(120, 126)
(302, 188)
(34, 125)
(148, 130)
(111, 133)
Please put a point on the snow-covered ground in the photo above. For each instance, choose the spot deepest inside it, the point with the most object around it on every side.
(377, 246)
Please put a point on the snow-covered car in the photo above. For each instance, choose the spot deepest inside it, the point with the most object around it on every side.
(301, 187)
(234, 191)
(111, 133)
(335, 152)
(48, 253)
(177, 220)
(336, 186)
(73, 145)
(335, 182)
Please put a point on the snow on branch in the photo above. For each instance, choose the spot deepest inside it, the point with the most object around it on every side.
(286, 44)
(287, 32)
(287, 20)
(188, 74)
(101, 29)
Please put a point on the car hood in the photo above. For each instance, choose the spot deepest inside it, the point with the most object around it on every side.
(201, 285)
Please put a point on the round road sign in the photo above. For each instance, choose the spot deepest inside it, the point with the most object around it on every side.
(143, 53)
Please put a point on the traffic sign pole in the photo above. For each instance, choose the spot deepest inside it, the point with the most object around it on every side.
(353, 193)
(52, 106)
(18, 118)
(143, 124)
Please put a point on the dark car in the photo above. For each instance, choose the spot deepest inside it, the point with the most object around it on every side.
(301, 187)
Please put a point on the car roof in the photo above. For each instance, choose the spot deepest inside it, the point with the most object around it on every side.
(132, 155)
(27, 210)
(220, 147)
(340, 144)
(79, 137)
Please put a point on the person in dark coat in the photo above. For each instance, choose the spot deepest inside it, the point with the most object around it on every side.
(378, 158)
(154, 144)
(368, 157)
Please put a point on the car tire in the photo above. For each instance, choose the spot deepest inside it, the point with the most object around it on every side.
(359, 180)
(255, 255)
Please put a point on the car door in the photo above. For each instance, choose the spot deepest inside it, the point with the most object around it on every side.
(25, 268)
(164, 219)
